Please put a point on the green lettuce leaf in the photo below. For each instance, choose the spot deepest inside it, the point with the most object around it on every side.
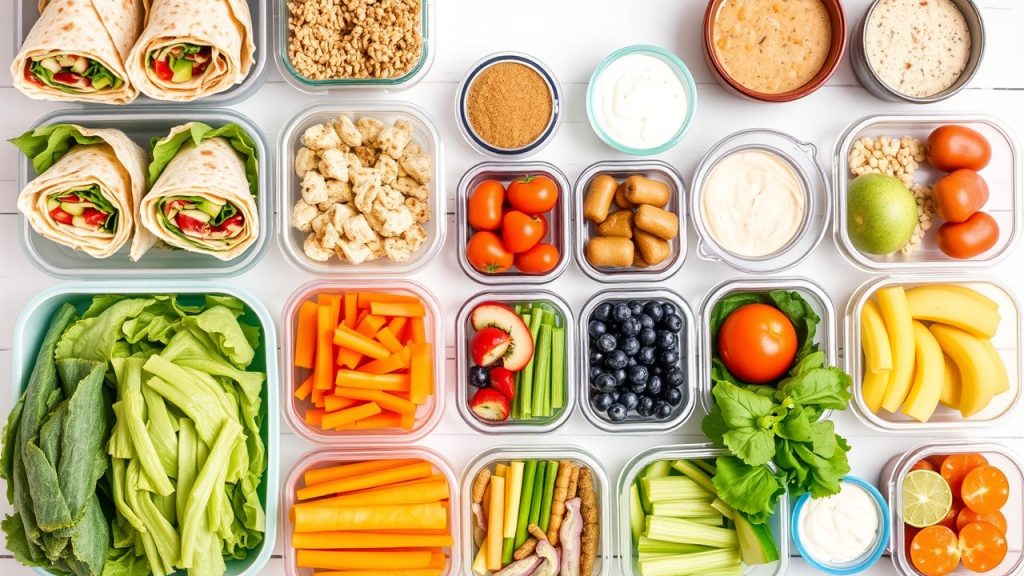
(45, 145)
(753, 490)
(165, 149)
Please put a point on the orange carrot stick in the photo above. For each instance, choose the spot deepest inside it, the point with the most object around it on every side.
(417, 331)
(413, 309)
(314, 416)
(437, 560)
(386, 419)
(386, 337)
(324, 351)
(382, 399)
(386, 382)
(368, 518)
(349, 338)
(362, 540)
(335, 419)
(319, 475)
(305, 335)
(370, 325)
(421, 374)
(408, 572)
(397, 361)
(397, 325)
(344, 560)
(424, 491)
(366, 298)
(375, 479)
(302, 392)
(350, 309)
(333, 403)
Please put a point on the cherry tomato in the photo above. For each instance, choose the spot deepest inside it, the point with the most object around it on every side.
(959, 194)
(923, 465)
(520, 232)
(94, 217)
(188, 224)
(974, 236)
(485, 204)
(952, 147)
(533, 194)
(540, 259)
(30, 76)
(967, 516)
(956, 466)
(163, 70)
(487, 254)
(61, 216)
(985, 489)
(757, 343)
(982, 546)
(936, 461)
(935, 551)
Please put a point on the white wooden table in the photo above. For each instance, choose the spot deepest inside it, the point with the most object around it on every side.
(570, 36)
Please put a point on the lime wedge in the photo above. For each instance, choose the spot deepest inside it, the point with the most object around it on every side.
(926, 498)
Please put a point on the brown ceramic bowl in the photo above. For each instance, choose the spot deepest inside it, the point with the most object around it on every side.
(837, 19)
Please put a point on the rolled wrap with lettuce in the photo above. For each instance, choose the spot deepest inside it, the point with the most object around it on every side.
(203, 189)
(77, 49)
(192, 49)
(89, 189)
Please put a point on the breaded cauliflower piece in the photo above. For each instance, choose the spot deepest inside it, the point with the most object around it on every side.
(354, 163)
(340, 213)
(354, 252)
(417, 166)
(321, 137)
(358, 230)
(420, 209)
(367, 155)
(366, 191)
(369, 128)
(330, 237)
(389, 198)
(311, 246)
(305, 160)
(303, 214)
(334, 165)
(320, 223)
(338, 192)
(348, 132)
(394, 222)
(397, 249)
(314, 188)
(394, 139)
(388, 168)
(416, 236)
(410, 187)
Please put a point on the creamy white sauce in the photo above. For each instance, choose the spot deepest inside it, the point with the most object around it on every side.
(841, 528)
(639, 101)
(753, 203)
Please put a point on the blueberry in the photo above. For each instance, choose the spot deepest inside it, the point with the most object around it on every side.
(630, 346)
(645, 407)
(672, 323)
(638, 374)
(603, 312)
(668, 358)
(662, 410)
(647, 336)
(596, 328)
(674, 396)
(478, 376)
(636, 307)
(616, 412)
(655, 384)
(616, 395)
(601, 402)
(666, 340)
(594, 373)
(656, 370)
(596, 356)
(646, 355)
(675, 377)
(604, 382)
(669, 309)
(629, 400)
(638, 387)
(621, 312)
(620, 376)
(606, 343)
(653, 309)
(631, 362)
(630, 327)
(616, 360)
(646, 321)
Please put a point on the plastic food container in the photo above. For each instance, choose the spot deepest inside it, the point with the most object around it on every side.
(627, 565)
(464, 334)
(891, 481)
(310, 86)
(558, 218)
(462, 115)
(425, 134)
(688, 350)
(680, 70)
(507, 453)
(945, 420)
(26, 14)
(1003, 175)
(826, 334)
(818, 200)
(873, 84)
(427, 416)
(324, 457)
(620, 170)
(63, 262)
(35, 319)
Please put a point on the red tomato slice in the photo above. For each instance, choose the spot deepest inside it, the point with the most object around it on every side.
(61, 216)
(94, 217)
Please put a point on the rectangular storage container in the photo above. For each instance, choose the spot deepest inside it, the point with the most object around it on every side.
(34, 321)
(142, 125)
(1007, 342)
(585, 230)
(425, 135)
(1002, 174)
(427, 416)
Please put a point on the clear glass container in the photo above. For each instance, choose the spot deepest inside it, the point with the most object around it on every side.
(688, 350)
(427, 415)
(142, 124)
(509, 453)
(945, 420)
(1002, 174)
(620, 170)
(425, 134)
(558, 218)
(801, 156)
(627, 566)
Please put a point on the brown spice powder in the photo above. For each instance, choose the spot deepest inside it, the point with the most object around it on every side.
(509, 105)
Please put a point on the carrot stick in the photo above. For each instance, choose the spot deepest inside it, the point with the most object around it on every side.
(370, 325)
(413, 309)
(421, 374)
(382, 399)
(318, 396)
(335, 419)
(407, 421)
(350, 309)
(320, 475)
(424, 491)
(367, 518)
(343, 560)
(349, 338)
(417, 331)
(324, 352)
(398, 361)
(348, 358)
(302, 392)
(363, 313)
(386, 419)
(387, 338)
(386, 382)
(397, 325)
(407, 572)
(333, 403)
(314, 416)
(366, 298)
(363, 540)
(437, 560)
(415, 471)
(305, 335)
(495, 522)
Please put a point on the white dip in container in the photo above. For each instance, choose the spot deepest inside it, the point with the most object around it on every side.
(841, 528)
(639, 101)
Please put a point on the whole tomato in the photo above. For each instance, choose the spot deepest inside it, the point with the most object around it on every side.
(952, 147)
(487, 254)
(969, 238)
(485, 205)
(959, 194)
(533, 194)
(540, 259)
(520, 231)
(757, 343)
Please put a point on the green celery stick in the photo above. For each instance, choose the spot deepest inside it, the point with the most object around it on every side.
(558, 368)
(542, 377)
(523, 394)
(516, 412)
(525, 502)
(506, 550)
(539, 482)
(529, 402)
(549, 495)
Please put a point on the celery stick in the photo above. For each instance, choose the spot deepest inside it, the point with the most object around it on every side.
(549, 495)
(536, 316)
(691, 471)
(558, 368)
(542, 374)
(652, 470)
(684, 509)
(695, 563)
(724, 508)
(674, 488)
(686, 532)
(636, 513)
(707, 466)
(757, 545)
(539, 481)
(507, 548)
(525, 502)
(652, 546)
(718, 521)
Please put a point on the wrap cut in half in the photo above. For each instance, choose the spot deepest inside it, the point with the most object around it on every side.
(192, 49)
(90, 185)
(77, 50)
(203, 189)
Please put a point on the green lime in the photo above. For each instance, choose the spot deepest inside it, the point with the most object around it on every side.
(926, 498)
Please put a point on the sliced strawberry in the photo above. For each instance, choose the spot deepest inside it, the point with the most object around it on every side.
(61, 216)
(163, 70)
(490, 405)
(503, 381)
(192, 227)
(94, 218)
(71, 79)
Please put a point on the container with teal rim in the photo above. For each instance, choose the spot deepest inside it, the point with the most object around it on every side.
(680, 70)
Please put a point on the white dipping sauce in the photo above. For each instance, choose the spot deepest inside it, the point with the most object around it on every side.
(841, 528)
(639, 101)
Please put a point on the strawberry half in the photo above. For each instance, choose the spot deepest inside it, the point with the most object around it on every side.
(503, 381)
(490, 405)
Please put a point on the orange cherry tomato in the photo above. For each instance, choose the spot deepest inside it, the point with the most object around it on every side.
(757, 343)
(956, 466)
(540, 259)
(533, 194)
(982, 546)
(520, 231)
(485, 205)
(487, 254)
(985, 489)
(959, 194)
(969, 238)
(967, 516)
(953, 147)
(924, 465)
(935, 551)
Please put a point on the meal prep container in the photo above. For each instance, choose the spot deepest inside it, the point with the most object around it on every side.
(627, 567)
(890, 483)
(427, 416)
(826, 335)
(685, 78)
(35, 319)
(558, 218)
(424, 133)
(141, 124)
(462, 115)
(945, 420)
(26, 14)
(818, 202)
(620, 170)
(520, 452)
(1002, 174)
(873, 84)
(688, 351)
(464, 335)
(837, 20)
(310, 86)
(323, 457)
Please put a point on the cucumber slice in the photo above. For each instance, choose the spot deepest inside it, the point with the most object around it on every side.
(52, 203)
(197, 215)
(182, 71)
(75, 209)
(101, 83)
(210, 207)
